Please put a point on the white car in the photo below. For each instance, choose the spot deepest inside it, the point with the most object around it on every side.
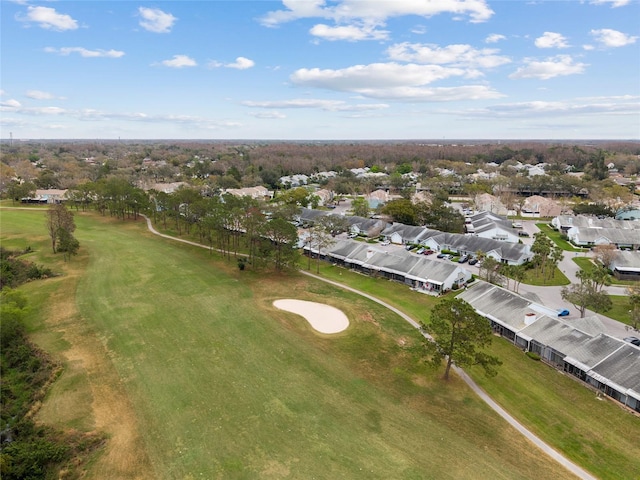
(386, 242)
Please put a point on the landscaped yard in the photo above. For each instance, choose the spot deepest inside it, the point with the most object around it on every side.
(557, 238)
(216, 383)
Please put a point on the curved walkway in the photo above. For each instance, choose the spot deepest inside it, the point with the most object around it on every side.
(538, 442)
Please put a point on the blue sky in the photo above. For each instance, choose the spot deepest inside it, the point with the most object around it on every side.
(320, 69)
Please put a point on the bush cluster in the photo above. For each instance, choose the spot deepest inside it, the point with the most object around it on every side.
(15, 271)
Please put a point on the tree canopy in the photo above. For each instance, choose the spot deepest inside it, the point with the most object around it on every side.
(459, 337)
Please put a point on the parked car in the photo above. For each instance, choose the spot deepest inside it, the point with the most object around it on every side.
(633, 341)
(473, 261)
(385, 242)
(420, 251)
(408, 247)
(522, 233)
(441, 255)
(428, 252)
(563, 312)
(353, 235)
(463, 259)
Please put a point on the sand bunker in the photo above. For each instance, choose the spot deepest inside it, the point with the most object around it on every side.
(323, 318)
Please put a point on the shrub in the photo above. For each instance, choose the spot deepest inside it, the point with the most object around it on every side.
(533, 356)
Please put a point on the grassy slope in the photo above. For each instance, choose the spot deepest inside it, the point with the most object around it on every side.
(226, 386)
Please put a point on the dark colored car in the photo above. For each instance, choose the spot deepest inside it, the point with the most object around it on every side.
(473, 261)
(441, 255)
(427, 252)
(633, 341)
(463, 259)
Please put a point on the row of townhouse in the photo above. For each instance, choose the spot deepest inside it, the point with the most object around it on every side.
(418, 272)
(401, 234)
(503, 252)
(586, 231)
(579, 347)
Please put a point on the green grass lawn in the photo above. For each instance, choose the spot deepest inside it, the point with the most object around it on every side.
(223, 385)
(593, 432)
(584, 263)
(534, 277)
(557, 238)
(620, 309)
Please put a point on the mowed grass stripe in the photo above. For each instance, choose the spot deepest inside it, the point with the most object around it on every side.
(226, 386)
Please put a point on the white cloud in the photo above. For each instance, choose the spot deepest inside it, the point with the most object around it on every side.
(612, 38)
(551, 40)
(393, 81)
(241, 63)
(455, 55)
(10, 104)
(39, 95)
(614, 3)
(155, 20)
(494, 38)
(557, 66)
(268, 115)
(348, 32)
(376, 11)
(621, 105)
(49, 19)
(92, 115)
(179, 61)
(327, 105)
(84, 52)
(16, 107)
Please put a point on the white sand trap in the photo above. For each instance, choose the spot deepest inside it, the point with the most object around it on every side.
(323, 318)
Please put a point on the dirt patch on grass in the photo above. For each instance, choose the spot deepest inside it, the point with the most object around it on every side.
(124, 454)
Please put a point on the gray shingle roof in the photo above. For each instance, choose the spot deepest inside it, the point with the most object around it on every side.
(503, 306)
(555, 333)
(620, 370)
(592, 352)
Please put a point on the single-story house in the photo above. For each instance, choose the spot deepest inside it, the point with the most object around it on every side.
(167, 187)
(489, 203)
(503, 252)
(419, 272)
(377, 198)
(591, 236)
(491, 225)
(401, 234)
(632, 214)
(553, 338)
(578, 347)
(308, 216)
(626, 265)
(610, 365)
(369, 227)
(508, 312)
(259, 192)
(325, 196)
(50, 196)
(541, 207)
(565, 222)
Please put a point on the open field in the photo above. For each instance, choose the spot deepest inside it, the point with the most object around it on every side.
(211, 381)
